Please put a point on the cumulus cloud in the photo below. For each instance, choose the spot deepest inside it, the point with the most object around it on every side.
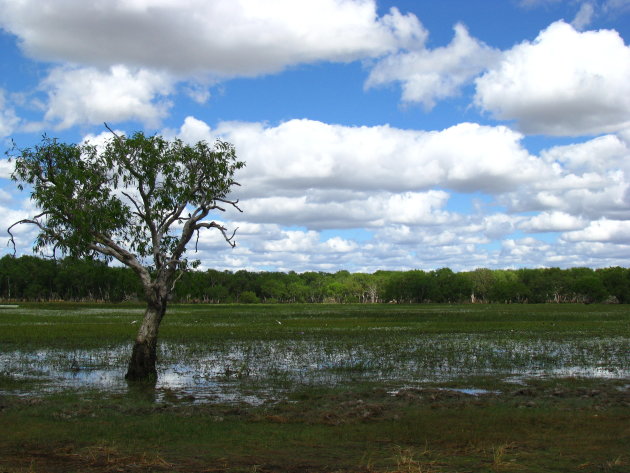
(608, 152)
(373, 210)
(587, 180)
(397, 184)
(430, 75)
(78, 96)
(496, 226)
(223, 38)
(552, 222)
(604, 230)
(307, 154)
(561, 83)
(121, 62)
(606, 196)
(516, 252)
(8, 119)
(304, 177)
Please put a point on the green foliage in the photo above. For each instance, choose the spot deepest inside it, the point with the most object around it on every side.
(72, 279)
(248, 297)
(128, 199)
(71, 185)
(617, 283)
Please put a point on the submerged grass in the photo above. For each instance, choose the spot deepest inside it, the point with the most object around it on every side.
(322, 388)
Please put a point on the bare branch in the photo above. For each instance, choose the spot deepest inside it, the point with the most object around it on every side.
(233, 203)
(136, 205)
(221, 228)
(112, 131)
(109, 247)
(179, 276)
(171, 218)
(32, 221)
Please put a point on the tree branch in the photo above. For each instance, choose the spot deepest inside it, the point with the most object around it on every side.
(136, 205)
(112, 131)
(32, 221)
(219, 227)
(108, 247)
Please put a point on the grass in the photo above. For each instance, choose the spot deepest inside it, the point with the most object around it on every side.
(336, 388)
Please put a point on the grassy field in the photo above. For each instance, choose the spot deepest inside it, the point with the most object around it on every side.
(322, 388)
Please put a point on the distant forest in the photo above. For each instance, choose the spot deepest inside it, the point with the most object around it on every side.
(30, 278)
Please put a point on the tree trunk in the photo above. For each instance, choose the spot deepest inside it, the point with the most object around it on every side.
(144, 355)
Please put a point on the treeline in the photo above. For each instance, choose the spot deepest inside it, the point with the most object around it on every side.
(29, 278)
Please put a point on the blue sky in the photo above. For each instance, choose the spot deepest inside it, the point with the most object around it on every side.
(377, 134)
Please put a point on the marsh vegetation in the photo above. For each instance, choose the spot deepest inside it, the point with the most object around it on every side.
(318, 388)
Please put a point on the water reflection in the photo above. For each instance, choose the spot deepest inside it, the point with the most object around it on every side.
(258, 371)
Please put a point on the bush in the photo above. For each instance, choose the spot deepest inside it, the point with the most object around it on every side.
(248, 297)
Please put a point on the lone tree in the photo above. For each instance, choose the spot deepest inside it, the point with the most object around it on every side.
(139, 200)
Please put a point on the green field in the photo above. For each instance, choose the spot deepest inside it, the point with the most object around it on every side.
(323, 388)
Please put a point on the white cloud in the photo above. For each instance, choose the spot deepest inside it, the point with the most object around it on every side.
(102, 138)
(78, 96)
(24, 235)
(601, 154)
(584, 16)
(552, 222)
(6, 169)
(562, 83)
(604, 230)
(194, 130)
(429, 75)
(198, 92)
(339, 245)
(498, 225)
(608, 196)
(8, 119)
(222, 38)
(375, 210)
(587, 180)
(306, 154)
(528, 252)
(5, 197)
(293, 241)
(121, 62)
(304, 176)
(415, 208)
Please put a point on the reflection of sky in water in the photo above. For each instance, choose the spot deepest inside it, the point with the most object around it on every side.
(261, 370)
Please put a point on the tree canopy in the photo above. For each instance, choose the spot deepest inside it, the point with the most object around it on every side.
(34, 279)
(133, 199)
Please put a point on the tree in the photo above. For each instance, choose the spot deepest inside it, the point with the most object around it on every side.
(138, 200)
(586, 285)
(481, 280)
(617, 282)
(508, 288)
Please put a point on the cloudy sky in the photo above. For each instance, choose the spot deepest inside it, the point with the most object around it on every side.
(377, 134)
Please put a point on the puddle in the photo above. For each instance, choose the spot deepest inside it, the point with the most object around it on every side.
(469, 391)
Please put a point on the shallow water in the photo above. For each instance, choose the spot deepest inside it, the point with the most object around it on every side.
(259, 371)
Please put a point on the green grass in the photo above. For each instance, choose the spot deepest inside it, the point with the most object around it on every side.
(359, 388)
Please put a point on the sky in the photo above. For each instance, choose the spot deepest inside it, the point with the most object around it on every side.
(377, 135)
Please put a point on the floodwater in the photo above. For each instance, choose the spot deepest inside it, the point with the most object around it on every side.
(262, 371)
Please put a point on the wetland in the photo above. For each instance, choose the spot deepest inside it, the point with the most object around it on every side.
(415, 388)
